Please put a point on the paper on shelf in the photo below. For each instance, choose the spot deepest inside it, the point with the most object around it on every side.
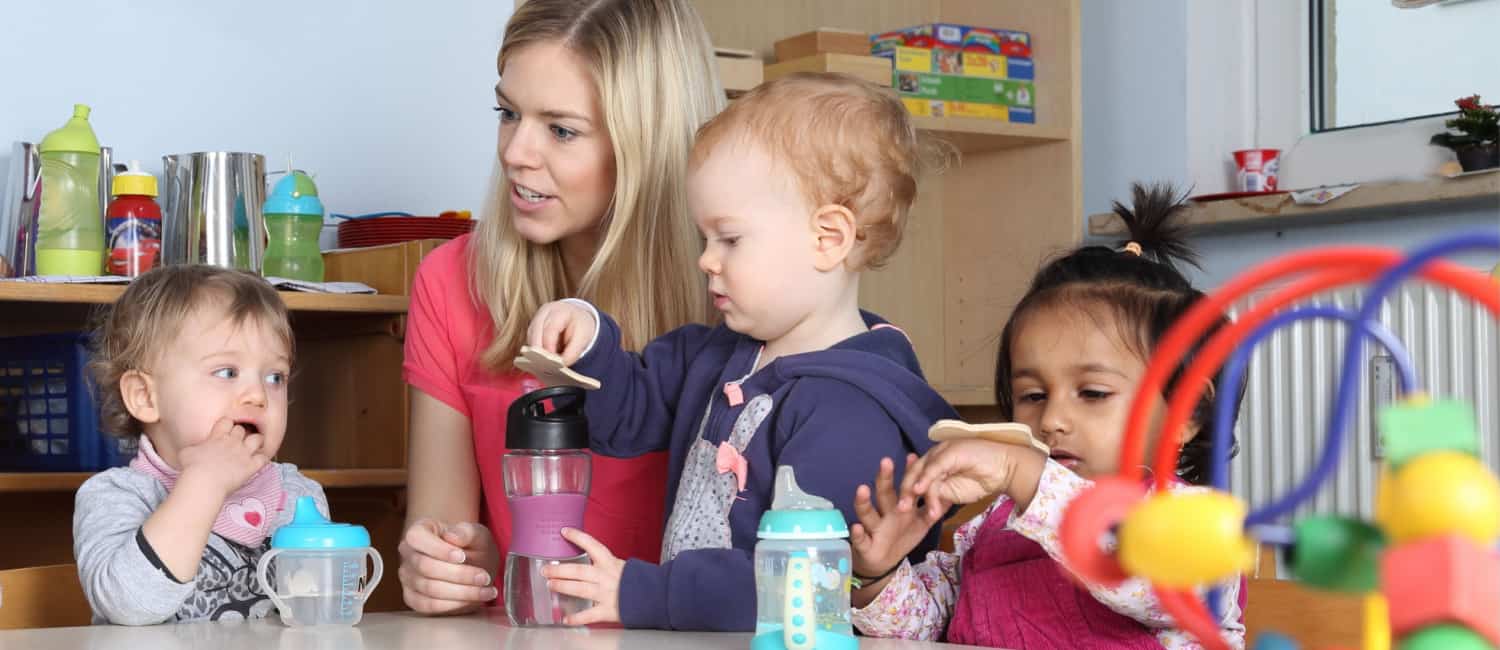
(1322, 195)
(70, 279)
(321, 287)
(279, 283)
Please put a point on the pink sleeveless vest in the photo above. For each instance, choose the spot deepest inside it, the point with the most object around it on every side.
(1014, 595)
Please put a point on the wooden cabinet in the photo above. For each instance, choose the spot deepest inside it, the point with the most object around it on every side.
(982, 227)
(346, 427)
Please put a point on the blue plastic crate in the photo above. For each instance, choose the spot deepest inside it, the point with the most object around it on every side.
(48, 419)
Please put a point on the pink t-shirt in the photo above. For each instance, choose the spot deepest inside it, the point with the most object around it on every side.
(445, 334)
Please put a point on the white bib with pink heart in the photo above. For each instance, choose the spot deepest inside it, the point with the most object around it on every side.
(247, 515)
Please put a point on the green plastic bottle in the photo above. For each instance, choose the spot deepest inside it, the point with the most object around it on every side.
(294, 219)
(70, 231)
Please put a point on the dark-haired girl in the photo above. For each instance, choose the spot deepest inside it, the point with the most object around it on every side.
(1071, 358)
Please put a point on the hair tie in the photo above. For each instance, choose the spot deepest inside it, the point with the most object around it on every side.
(1132, 248)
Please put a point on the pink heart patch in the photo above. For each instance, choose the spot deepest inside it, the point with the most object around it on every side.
(247, 512)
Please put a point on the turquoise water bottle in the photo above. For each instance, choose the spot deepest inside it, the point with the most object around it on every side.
(70, 231)
(294, 219)
(803, 569)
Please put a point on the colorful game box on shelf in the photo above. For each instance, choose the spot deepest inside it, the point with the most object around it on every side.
(1427, 565)
(943, 69)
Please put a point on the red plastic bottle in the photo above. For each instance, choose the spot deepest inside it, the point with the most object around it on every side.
(132, 224)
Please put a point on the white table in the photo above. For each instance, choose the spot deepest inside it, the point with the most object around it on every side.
(396, 631)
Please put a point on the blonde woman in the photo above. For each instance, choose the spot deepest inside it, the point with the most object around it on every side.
(598, 101)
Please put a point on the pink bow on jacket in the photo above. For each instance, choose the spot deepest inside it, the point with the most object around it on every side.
(730, 460)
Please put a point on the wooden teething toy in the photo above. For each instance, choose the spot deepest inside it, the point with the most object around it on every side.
(1010, 433)
(550, 369)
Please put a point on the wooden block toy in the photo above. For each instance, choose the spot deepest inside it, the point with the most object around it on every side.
(549, 368)
(824, 40)
(1010, 433)
(1442, 580)
(869, 68)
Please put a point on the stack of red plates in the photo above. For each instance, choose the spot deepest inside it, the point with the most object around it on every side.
(378, 231)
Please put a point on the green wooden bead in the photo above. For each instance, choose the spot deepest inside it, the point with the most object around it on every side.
(1410, 430)
(1444, 637)
(1337, 554)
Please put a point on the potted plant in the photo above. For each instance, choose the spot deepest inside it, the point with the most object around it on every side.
(1477, 142)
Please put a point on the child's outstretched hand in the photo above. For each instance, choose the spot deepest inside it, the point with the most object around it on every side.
(964, 471)
(227, 458)
(563, 328)
(599, 581)
(892, 526)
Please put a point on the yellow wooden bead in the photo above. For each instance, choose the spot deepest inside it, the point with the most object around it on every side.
(1182, 540)
(1377, 622)
(1442, 493)
(1384, 488)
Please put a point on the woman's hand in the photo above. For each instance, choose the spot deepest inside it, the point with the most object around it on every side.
(447, 568)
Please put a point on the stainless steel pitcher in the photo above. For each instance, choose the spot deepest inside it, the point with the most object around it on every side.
(211, 209)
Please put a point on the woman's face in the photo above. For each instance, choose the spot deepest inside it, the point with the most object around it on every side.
(555, 151)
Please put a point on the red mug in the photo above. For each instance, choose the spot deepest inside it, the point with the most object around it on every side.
(1257, 168)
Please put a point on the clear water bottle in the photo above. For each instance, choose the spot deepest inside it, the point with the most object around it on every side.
(547, 472)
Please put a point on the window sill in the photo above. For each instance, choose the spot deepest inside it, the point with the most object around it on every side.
(1369, 202)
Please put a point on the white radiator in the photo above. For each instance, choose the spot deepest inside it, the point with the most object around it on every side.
(1283, 421)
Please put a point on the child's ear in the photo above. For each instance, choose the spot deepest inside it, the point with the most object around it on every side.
(1191, 429)
(138, 391)
(835, 228)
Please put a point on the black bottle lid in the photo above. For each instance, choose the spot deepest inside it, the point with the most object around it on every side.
(529, 425)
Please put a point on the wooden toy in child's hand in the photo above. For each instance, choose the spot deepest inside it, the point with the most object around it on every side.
(1010, 433)
(551, 370)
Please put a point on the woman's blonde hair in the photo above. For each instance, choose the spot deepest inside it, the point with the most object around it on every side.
(655, 72)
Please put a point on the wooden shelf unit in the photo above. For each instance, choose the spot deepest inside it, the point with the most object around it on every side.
(346, 425)
(981, 228)
(104, 294)
(1369, 202)
(973, 135)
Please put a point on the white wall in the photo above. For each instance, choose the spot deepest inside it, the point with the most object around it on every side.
(1144, 110)
(1133, 89)
(388, 103)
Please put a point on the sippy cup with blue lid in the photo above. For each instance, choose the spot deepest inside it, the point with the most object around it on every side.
(294, 220)
(802, 573)
(320, 569)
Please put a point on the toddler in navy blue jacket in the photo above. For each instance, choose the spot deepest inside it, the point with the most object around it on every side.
(796, 187)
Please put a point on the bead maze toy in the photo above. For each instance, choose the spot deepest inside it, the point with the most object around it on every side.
(1427, 564)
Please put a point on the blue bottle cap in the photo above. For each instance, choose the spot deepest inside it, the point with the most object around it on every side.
(295, 193)
(311, 530)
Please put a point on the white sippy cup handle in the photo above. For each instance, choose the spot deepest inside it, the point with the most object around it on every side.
(260, 575)
(374, 575)
(797, 611)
